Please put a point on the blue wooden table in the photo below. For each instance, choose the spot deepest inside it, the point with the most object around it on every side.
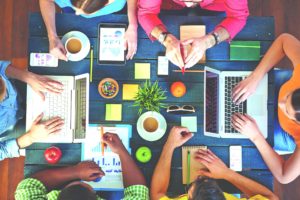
(257, 29)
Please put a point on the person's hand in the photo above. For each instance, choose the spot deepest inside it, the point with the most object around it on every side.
(57, 48)
(113, 142)
(244, 89)
(198, 48)
(88, 171)
(40, 130)
(216, 167)
(173, 50)
(131, 41)
(41, 84)
(178, 136)
(246, 125)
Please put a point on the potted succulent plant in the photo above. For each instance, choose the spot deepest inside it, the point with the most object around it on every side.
(149, 97)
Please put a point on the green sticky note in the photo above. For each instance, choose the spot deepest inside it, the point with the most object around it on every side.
(245, 50)
(142, 70)
(190, 123)
(113, 112)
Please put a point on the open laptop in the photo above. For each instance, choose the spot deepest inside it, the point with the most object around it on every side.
(218, 105)
(72, 105)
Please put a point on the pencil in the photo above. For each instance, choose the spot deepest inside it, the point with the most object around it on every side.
(182, 55)
(91, 63)
(102, 143)
(199, 71)
(182, 70)
(188, 167)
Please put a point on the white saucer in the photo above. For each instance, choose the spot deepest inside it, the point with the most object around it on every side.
(86, 45)
(152, 136)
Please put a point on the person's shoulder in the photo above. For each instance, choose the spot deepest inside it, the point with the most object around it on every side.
(136, 192)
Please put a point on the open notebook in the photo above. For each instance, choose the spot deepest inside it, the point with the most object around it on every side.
(110, 162)
(190, 165)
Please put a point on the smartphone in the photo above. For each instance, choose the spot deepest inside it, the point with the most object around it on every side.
(162, 65)
(43, 60)
(235, 158)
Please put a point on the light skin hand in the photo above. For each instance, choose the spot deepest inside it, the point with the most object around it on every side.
(40, 130)
(198, 48)
(41, 84)
(57, 48)
(131, 41)
(245, 88)
(246, 125)
(88, 171)
(173, 50)
(178, 136)
(216, 167)
(113, 142)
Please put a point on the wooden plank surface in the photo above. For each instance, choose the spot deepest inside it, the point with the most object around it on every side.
(261, 29)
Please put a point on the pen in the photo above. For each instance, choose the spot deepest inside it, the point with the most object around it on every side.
(102, 143)
(188, 167)
(182, 55)
(91, 63)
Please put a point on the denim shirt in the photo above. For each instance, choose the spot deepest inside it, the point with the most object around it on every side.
(113, 7)
(10, 113)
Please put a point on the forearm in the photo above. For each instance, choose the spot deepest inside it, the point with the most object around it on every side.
(223, 34)
(57, 178)
(24, 141)
(15, 73)
(48, 12)
(132, 175)
(132, 13)
(248, 186)
(271, 158)
(161, 176)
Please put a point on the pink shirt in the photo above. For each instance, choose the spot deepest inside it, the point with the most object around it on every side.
(236, 12)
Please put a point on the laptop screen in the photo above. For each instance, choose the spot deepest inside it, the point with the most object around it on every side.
(211, 99)
(80, 124)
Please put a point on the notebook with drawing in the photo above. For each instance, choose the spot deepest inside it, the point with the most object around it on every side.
(110, 162)
(190, 165)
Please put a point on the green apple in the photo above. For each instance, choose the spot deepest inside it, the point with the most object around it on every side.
(143, 154)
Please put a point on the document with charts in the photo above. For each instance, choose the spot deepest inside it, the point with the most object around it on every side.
(110, 162)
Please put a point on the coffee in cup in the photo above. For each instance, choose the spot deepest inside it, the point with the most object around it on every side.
(73, 45)
(150, 124)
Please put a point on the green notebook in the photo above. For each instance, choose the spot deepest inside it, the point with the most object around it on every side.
(245, 50)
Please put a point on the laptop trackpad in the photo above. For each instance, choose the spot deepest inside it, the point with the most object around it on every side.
(255, 105)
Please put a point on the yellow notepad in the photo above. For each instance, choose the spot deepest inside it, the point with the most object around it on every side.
(113, 112)
(192, 31)
(142, 70)
(130, 91)
(194, 164)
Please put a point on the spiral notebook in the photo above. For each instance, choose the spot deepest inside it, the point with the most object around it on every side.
(190, 165)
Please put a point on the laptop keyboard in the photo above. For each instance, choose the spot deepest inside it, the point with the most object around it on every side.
(58, 105)
(230, 107)
(212, 104)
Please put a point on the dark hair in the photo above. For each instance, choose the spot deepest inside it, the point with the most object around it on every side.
(296, 103)
(89, 6)
(76, 192)
(206, 189)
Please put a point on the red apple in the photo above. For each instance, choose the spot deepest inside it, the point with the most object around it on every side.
(52, 155)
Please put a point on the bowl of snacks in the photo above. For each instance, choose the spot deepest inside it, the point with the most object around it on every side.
(108, 88)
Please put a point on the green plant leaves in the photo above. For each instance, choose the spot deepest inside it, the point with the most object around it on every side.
(149, 97)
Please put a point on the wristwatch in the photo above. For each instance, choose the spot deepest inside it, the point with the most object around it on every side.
(216, 37)
(162, 37)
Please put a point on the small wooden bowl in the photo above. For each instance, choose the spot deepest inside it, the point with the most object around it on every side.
(108, 88)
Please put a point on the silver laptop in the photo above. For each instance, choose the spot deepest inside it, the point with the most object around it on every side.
(218, 105)
(72, 105)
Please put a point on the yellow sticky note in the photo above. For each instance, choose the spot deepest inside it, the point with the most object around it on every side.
(113, 112)
(130, 91)
(142, 70)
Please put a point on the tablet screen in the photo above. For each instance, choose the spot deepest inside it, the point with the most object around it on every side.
(111, 44)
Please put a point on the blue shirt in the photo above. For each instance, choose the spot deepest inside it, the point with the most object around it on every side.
(113, 7)
(10, 113)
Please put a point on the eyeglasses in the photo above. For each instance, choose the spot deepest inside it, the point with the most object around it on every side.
(183, 109)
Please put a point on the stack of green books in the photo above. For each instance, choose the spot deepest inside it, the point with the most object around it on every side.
(245, 50)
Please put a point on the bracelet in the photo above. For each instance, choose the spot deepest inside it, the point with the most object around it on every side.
(216, 37)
